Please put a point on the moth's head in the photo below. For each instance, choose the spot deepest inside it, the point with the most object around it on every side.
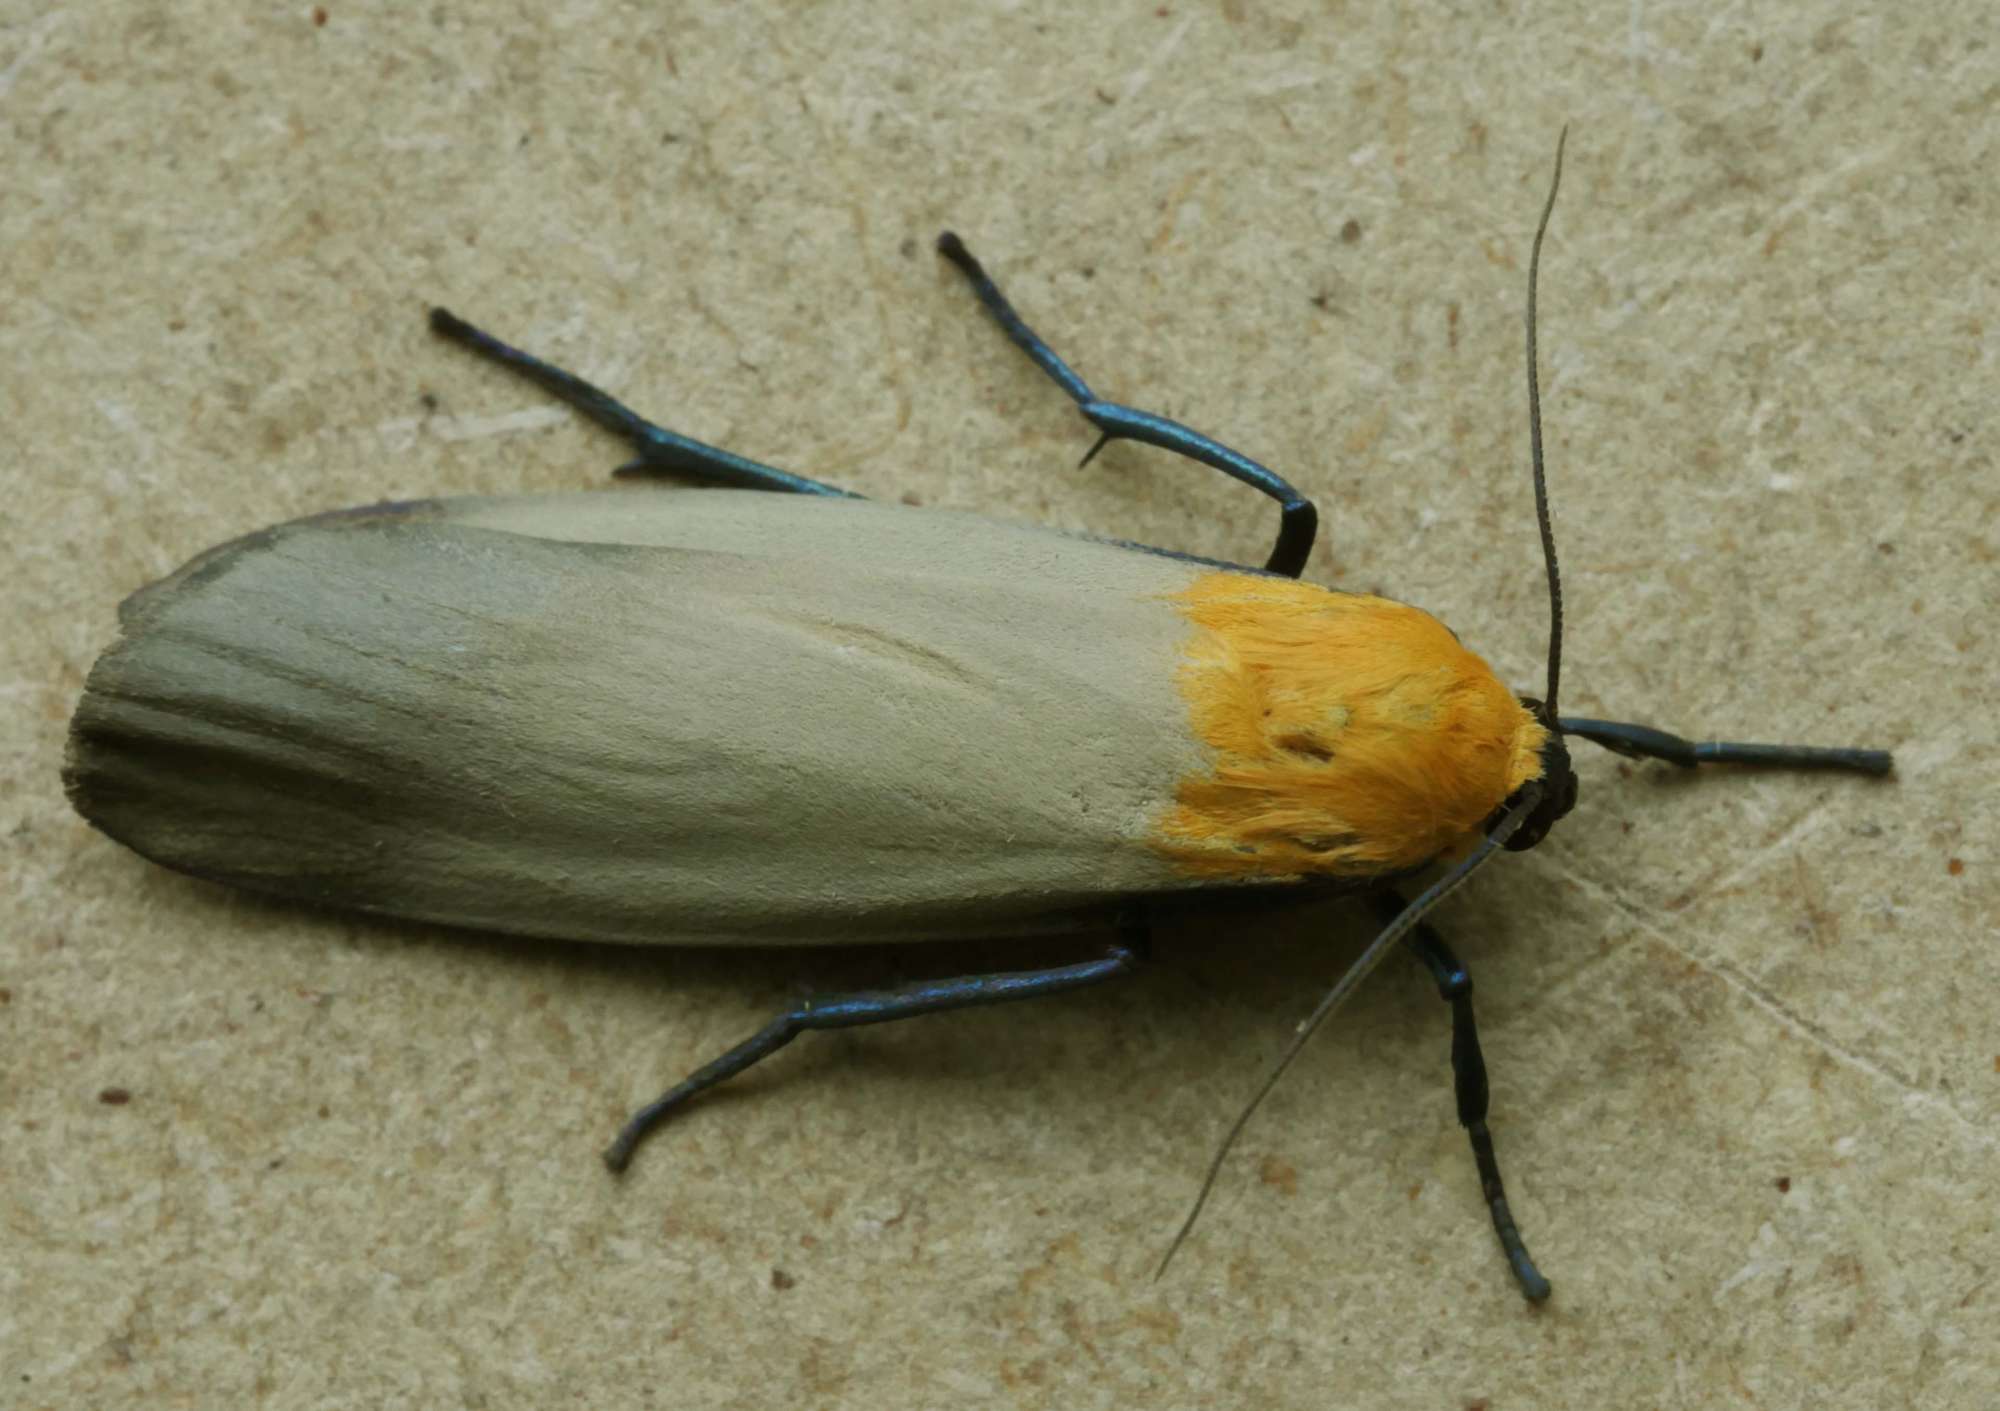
(1557, 781)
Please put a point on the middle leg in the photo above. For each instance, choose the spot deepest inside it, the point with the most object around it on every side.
(1298, 520)
(880, 1007)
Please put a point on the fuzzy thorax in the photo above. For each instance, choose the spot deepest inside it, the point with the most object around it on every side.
(1347, 735)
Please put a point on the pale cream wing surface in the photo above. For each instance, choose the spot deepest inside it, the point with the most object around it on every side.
(652, 717)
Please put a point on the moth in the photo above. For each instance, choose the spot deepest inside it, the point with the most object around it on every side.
(770, 712)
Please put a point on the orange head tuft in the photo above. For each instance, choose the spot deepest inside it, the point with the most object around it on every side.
(1348, 735)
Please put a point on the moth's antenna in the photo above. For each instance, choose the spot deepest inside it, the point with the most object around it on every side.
(1524, 804)
(1535, 450)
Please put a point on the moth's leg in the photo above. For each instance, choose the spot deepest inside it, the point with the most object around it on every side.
(878, 1007)
(1644, 742)
(1468, 1072)
(1298, 519)
(660, 450)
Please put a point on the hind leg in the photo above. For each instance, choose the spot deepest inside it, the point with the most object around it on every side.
(659, 449)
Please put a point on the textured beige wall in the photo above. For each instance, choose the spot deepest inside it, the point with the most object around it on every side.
(1743, 1033)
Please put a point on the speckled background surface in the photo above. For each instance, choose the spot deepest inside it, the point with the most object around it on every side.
(1747, 1066)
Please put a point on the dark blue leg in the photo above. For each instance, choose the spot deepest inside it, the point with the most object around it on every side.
(1468, 1071)
(1298, 520)
(1644, 742)
(876, 1007)
(659, 449)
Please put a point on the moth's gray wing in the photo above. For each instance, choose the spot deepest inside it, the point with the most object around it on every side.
(681, 716)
